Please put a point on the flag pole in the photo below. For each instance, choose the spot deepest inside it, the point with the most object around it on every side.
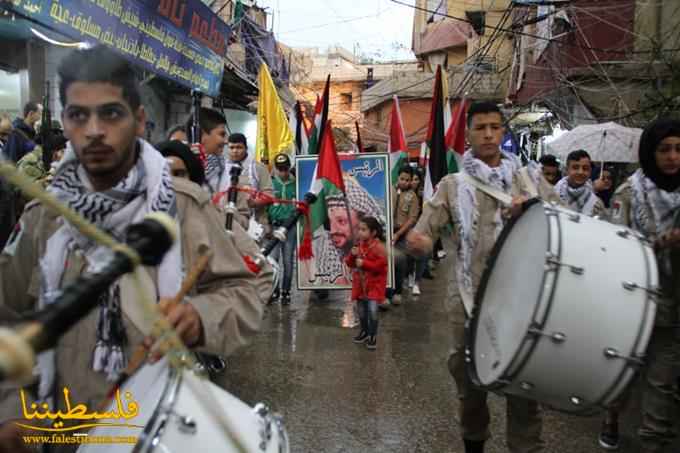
(349, 218)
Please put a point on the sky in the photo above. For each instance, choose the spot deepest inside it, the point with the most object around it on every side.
(380, 28)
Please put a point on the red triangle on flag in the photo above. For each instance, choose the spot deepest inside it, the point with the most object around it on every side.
(397, 136)
(455, 136)
(328, 165)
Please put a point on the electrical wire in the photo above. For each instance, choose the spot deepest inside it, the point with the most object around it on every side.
(514, 32)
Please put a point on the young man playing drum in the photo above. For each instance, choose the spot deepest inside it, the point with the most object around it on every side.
(478, 218)
(576, 190)
(649, 202)
(112, 177)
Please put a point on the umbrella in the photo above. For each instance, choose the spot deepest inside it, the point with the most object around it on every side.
(606, 142)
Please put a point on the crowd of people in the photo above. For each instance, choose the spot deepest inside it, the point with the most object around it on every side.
(112, 178)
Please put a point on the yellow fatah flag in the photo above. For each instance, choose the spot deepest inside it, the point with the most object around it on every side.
(273, 131)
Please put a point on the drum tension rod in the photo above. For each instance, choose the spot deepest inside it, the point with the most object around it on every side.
(612, 353)
(632, 286)
(625, 233)
(552, 260)
(556, 337)
(266, 416)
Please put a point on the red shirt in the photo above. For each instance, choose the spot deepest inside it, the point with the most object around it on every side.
(370, 280)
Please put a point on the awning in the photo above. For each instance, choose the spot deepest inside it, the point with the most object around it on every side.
(444, 34)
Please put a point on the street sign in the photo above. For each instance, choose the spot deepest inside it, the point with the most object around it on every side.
(182, 40)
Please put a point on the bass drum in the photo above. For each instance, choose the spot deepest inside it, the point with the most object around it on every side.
(175, 418)
(564, 311)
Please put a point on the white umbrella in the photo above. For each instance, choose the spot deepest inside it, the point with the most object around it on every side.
(606, 142)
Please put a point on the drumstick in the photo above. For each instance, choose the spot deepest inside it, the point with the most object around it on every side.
(140, 352)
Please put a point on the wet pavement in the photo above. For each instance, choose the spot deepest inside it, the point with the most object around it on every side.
(336, 396)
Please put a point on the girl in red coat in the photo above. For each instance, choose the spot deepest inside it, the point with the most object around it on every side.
(368, 262)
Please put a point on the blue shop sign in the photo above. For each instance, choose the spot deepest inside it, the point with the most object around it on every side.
(182, 40)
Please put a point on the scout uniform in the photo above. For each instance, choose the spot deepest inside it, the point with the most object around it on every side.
(255, 175)
(228, 297)
(662, 359)
(523, 421)
(530, 182)
(404, 207)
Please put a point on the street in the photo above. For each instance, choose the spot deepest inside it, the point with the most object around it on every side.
(337, 396)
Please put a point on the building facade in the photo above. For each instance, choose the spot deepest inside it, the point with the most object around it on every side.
(594, 61)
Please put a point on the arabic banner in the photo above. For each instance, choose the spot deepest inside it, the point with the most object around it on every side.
(367, 184)
(182, 40)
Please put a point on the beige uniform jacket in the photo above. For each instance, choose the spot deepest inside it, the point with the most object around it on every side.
(442, 210)
(600, 210)
(228, 297)
(404, 207)
(522, 185)
(264, 184)
(622, 214)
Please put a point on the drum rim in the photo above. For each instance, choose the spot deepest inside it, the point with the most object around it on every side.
(161, 414)
(472, 323)
(649, 302)
(531, 340)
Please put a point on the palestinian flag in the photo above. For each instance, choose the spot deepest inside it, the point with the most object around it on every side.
(327, 180)
(297, 126)
(437, 165)
(320, 119)
(396, 145)
(455, 137)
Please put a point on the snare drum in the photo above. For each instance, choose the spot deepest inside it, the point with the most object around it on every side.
(176, 419)
(564, 311)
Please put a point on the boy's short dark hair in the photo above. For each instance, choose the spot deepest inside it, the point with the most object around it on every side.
(238, 137)
(548, 160)
(406, 169)
(30, 107)
(208, 119)
(99, 64)
(483, 107)
(578, 155)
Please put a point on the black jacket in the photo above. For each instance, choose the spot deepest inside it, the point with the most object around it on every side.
(20, 142)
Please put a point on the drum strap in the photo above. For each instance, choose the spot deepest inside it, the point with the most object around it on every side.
(499, 195)
(531, 187)
(142, 320)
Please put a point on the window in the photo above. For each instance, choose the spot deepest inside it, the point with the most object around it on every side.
(477, 20)
(346, 99)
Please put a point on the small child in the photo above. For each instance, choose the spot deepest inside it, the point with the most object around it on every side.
(368, 261)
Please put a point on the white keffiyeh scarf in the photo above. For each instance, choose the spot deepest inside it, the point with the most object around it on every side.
(147, 188)
(647, 197)
(468, 209)
(580, 199)
(214, 169)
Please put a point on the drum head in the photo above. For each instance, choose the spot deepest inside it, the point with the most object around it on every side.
(509, 293)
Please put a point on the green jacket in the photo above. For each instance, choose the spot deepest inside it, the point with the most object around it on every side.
(279, 212)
